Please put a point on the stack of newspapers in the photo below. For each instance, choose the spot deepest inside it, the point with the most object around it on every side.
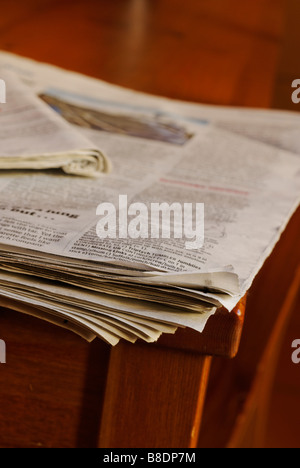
(126, 216)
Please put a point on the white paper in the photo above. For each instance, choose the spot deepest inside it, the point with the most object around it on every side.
(242, 164)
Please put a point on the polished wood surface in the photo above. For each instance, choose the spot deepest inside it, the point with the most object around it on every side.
(57, 388)
(167, 396)
(232, 381)
(222, 52)
(51, 391)
(289, 65)
(251, 425)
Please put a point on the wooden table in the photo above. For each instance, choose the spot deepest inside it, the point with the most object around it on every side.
(58, 391)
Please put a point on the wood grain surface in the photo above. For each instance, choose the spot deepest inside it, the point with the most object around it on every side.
(154, 398)
(53, 385)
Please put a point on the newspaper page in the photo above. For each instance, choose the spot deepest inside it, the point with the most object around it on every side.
(279, 128)
(162, 152)
(34, 137)
(163, 174)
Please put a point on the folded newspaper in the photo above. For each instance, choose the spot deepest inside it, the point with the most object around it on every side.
(33, 136)
(86, 254)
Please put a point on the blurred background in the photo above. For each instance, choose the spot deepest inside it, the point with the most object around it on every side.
(212, 51)
(224, 52)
